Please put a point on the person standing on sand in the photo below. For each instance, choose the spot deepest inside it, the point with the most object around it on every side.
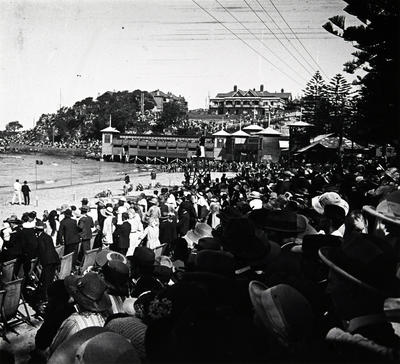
(25, 191)
(17, 193)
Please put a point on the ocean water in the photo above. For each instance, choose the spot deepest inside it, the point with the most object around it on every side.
(57, 171)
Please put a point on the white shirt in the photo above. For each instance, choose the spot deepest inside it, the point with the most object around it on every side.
(17, 186)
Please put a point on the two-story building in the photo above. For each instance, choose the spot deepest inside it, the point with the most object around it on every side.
(161, 98)
(239, 102)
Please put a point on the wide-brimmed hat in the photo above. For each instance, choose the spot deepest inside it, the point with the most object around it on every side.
(108, 211)
(387, 210)
(88, 291)
(67, 212)
(107, 347)
(107, 255)
(240, 239)
(254, 194)
(64, 207)
(66, 351)
(284, 311)
(201, 230)
(228, 213)
(367, 261)
(278, 220)
(329, 198)
(154, 200)
(116, 276)
(217, 262)
(143, 257)
(13, 219)
(208, 243)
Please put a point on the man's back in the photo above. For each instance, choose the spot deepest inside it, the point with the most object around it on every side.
(69, 231)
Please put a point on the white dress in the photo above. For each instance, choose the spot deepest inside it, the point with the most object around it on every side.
(136, 232)
(152, 233)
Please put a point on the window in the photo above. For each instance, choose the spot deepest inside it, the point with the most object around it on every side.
(107, 138)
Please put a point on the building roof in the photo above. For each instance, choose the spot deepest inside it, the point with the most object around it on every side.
(331, 142)
(240, 133)
(269, 131)
(221, 132)
(253, 127)
(298, 124)
(254, 93)
(109, 129)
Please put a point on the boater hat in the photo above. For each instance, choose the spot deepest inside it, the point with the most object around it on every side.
(88, 291)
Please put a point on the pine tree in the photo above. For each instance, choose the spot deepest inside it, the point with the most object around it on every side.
(315, 104)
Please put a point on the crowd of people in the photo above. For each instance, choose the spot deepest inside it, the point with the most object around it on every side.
(272, 265)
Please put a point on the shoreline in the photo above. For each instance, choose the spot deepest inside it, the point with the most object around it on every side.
(53, 197)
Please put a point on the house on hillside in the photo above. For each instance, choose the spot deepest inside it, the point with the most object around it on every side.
(160, 98)
(240, 102)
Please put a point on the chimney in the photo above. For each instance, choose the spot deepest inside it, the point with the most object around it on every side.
(262, 88)
(235, 88)
(282, 90)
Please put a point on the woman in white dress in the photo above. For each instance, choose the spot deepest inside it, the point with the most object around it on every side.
(152, 232)
(136, 230)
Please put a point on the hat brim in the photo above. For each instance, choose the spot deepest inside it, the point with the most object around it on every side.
(101, 305)
(301, 226)
(372, 211)
(326, 255)
(193, 237)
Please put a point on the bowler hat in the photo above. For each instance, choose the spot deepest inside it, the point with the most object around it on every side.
(88, 291)
(217, 262)
(143, 256)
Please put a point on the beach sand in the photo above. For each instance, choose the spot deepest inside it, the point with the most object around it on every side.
(53, 197)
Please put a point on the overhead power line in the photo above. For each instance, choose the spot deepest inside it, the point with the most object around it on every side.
(247, 44)
(301, 43)
(277, 38)
(255, 36)
(284, 34)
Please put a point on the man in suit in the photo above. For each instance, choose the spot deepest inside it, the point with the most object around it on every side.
(85, 225)
(48, 258)
(68, 234)
(122, 234)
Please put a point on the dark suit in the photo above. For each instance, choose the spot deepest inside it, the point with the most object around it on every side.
(68, 234)
(123, 231)
(49, 260)
(85, 224)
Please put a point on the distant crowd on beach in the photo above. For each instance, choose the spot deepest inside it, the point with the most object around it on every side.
(275, 264)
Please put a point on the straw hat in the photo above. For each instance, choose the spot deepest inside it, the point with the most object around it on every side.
(329, 198)
(201, 230)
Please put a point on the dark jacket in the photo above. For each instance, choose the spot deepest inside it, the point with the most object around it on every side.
(25, 189)
(29, 242)
(46, 251)
(13, 248)
(123, 231)
(68, 232)
(85, 224)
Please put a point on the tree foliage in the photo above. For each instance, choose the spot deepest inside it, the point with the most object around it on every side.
(13, 126)
(86, 118)
(377, 41)
(315, 104)
(171, 117)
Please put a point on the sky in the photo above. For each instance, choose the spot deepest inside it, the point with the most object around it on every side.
(59, 52)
